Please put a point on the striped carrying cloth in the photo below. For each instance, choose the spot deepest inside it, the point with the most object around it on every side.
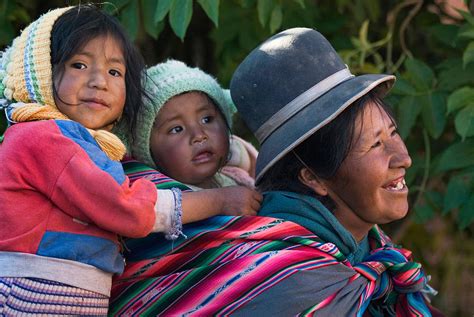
(263, 266)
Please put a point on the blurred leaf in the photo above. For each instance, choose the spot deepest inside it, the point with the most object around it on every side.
(468, 56)
(180, 16)
(458, 155)
(433, 112)
(466, 214)
(464, 122)
(445, 33)
(460, 98)
(276, 18)
(457, 193)
(423, 213)
(403, 87)
(264, 8)
(373, 8)
(148, 10)
(129, 17)
(453, 75)
(301, 3)
(211, 7)
(466, 32)
(408, 111)
(162, 9)
(435, 199)
(115, 6)
(421, 75)
(468, 16)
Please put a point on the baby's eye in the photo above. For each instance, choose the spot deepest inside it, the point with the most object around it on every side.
(115, 73)
(78, 65)
(207, 119)
(176, 129)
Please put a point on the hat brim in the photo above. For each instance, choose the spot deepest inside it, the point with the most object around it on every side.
(316, 115)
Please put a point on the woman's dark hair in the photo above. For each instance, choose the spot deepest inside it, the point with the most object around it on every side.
(323, 152)
(83, 23)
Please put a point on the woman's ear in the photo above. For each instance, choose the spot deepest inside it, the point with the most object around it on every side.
(308, 178)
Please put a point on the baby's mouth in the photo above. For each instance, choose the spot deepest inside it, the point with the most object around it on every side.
(203, 157)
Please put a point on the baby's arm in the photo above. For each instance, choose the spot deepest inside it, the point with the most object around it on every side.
(233, 200)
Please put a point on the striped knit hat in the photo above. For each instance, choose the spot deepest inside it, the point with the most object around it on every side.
(26, 81)
(165, 81)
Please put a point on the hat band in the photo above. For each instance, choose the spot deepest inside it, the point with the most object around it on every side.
(294, 106)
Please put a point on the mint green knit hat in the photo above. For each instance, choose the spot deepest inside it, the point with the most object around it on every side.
(163, 82)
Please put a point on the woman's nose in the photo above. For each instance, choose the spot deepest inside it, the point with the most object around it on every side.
(400, 157)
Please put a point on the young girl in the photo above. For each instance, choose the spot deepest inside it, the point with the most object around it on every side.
(64, 198)
(184, 130)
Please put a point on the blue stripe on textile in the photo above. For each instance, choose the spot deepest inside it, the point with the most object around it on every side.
(95, 251)
(77, 133)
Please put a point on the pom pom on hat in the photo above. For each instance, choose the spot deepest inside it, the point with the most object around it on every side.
(165, 81)
(27, 64)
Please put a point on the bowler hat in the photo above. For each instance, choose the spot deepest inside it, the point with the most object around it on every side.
(290, 86)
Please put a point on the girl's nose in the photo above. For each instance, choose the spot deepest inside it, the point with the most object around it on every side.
(98, 80)
(400, 157)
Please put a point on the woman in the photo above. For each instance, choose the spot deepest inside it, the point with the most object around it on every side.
(332, 167)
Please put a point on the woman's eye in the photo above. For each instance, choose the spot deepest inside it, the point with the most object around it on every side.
(376, 144)
(207, 119)
(78, 65)
(115, 73)
(175, 130)
(394, 132)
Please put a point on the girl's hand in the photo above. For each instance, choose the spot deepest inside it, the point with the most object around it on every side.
(239, 200)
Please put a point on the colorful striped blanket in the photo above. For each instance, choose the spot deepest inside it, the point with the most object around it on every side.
(264, 266)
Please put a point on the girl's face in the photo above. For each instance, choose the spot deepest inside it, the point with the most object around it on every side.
(189, 140)
(369, 187)
(91, 90)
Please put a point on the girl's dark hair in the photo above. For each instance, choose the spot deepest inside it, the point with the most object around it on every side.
(83, 23)
(323, 152)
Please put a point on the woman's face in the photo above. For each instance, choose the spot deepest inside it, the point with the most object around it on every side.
(369, 188)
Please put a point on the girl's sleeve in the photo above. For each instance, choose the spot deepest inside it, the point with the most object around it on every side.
(90, 194)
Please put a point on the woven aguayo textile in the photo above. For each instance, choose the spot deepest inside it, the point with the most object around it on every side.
(262, 266)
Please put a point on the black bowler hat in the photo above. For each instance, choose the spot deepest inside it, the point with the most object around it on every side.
(290, 86)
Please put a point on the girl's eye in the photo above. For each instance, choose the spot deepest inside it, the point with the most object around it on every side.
(207, 119)
(78, 65)
(115, 73)
(394, 132)
(176, 129)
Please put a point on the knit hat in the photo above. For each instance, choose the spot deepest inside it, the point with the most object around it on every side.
(26, 81)
(165, 81)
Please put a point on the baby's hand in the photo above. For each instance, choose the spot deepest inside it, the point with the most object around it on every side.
(240, 200)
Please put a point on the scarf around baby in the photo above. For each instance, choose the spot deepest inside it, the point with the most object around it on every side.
(107, 141)
(226, 262)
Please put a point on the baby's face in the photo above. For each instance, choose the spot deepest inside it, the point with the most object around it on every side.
(189, 140)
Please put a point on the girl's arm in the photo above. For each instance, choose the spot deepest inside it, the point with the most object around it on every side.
(233, 200)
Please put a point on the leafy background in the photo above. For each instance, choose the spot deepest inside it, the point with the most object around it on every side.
(430, 48)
